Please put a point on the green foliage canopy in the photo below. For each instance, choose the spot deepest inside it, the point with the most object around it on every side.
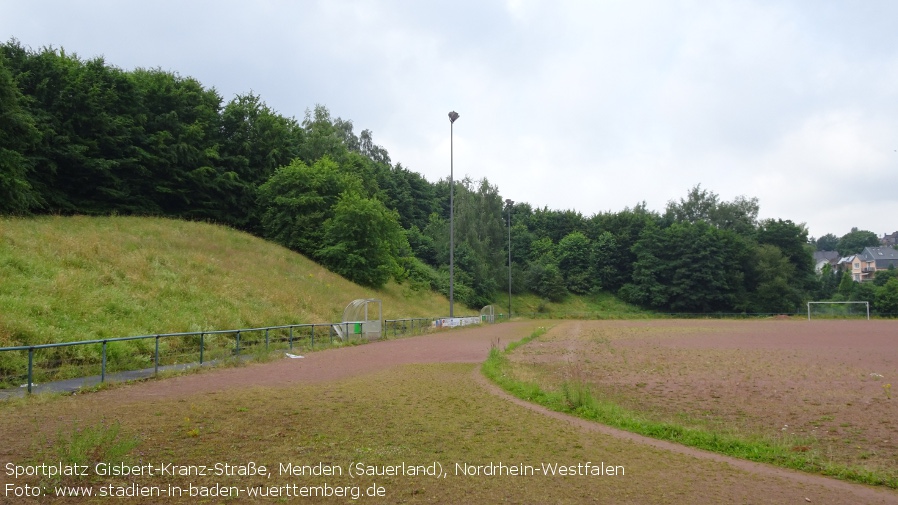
(363, 241)
(297, 199)
(855, 241)
(575, 261)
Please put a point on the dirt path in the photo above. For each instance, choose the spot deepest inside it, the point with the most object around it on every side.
(456, 346)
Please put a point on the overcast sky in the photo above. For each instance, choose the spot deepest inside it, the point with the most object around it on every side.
(589, 105)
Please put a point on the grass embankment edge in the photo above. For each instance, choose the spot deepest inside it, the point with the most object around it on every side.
(577, 399)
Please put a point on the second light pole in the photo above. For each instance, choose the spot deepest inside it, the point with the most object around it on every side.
(509, 204)
(452, 117)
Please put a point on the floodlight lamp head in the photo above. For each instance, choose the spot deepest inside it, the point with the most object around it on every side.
(509, 202)
(453, 116)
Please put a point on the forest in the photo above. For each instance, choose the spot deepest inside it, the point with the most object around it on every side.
(81, 136)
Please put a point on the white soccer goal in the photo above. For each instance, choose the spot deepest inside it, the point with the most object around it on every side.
(834, 311)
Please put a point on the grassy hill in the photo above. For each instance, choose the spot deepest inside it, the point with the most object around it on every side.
(78, 278)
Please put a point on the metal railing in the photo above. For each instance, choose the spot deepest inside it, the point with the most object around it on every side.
(241, 341)
(402, 326)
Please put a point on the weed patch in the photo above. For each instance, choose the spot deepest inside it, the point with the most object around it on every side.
(89, 445)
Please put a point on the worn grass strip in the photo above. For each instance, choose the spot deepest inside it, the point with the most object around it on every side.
(578, 400)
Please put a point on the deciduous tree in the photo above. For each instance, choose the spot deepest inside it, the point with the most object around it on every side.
(575, 262)
(855, 241)
(362, 241)
(297, 199)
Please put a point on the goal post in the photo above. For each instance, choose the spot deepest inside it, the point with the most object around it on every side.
(866, 305)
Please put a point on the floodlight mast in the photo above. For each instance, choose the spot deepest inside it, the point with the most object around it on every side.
(509, 204)
(452, 117)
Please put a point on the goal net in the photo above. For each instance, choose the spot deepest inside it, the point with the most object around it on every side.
(836, 310)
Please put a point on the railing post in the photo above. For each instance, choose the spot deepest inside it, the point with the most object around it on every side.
(156, 358)
(238, 343)
(266, 339)
(291, 338)
(202, 342)
(313, 336)
(30, 368)
(103, 365)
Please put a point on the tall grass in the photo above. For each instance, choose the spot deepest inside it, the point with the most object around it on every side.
(87, 446)
(86, 278)
(80, 278)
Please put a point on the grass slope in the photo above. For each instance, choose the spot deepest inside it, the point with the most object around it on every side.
(78, 278)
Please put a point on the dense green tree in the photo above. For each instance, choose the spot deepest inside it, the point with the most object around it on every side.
(625, 227)
(472, 286)
(297, 199)
(863, 292)
(409, 194)
(855, 241)
(521, 243)
(422, 246)
(740, 215)
(575, 262)
(699, 205)
(555, 224)
(324, 136)
(86, 111)
(544, 251)
(774, 291)
(256, 140)
(828, 242)
(884, 276)
(846, 286)
(605, 261)
(688, 268)
(479, 225)
(544, 278)
(437, 230)
(362, 241)
(18, 136)
(372, 151)
(828, 283)
(792, 241)
(886, 302)
(518, 279)
(521, 236)
(180, 152)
